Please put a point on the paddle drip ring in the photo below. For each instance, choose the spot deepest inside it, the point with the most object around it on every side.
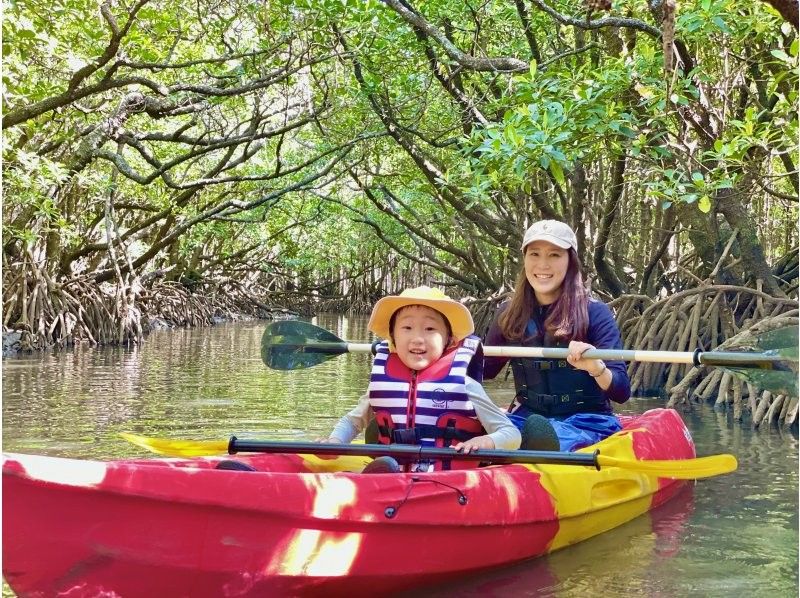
(391, 511)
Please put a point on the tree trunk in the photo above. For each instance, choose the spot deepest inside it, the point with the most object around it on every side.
(605, 273)
(752, 253)
(787, 9)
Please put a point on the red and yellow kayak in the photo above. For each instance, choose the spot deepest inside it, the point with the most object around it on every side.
(306, 525)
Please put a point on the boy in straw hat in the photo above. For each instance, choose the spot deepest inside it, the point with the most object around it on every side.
(425, 382)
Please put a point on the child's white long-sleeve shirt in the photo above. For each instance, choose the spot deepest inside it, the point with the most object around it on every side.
(497, 425)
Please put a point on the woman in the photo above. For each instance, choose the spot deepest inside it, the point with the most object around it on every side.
(551, 308)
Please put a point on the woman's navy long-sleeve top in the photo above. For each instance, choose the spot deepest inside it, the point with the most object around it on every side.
(602, 333)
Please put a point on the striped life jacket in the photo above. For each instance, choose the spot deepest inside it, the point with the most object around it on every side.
(430, 407)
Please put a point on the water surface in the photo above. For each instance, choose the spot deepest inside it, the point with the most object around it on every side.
(735, 534)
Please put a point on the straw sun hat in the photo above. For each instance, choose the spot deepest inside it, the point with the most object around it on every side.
(458, 315)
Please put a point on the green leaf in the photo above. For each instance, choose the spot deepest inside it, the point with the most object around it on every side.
(704, 205)
(725, 183)
(719, 22)
(781, 55)
(558, 173)
(533, 68)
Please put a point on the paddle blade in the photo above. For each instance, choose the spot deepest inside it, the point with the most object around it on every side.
(294, 345)
(783, 378)
(178, 448)
(778, 382)
(681, 469)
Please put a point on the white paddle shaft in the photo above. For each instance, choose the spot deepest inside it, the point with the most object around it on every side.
(696, 358)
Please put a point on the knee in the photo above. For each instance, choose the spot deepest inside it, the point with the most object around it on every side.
(538, 434)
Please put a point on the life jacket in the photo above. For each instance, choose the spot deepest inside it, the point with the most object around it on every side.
(552, 387)
(430, 407)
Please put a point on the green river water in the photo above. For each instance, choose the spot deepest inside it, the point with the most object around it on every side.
(734, 534)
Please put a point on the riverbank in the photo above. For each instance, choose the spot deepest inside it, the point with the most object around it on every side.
(78, 313)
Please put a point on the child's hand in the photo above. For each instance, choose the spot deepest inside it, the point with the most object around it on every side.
(473, 444)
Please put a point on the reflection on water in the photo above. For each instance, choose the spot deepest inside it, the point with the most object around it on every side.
(200, 384)
(736, 533)
(638, 548)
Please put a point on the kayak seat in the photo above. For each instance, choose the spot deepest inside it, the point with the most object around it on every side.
(232, 465)
(383, 465)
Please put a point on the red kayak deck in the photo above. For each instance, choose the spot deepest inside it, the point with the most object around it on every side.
(306, 525)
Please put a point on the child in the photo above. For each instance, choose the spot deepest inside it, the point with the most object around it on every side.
(425, 385)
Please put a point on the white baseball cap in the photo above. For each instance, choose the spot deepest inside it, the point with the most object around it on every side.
(552, 231)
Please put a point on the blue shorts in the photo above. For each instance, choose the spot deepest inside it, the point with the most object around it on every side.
(578, 430)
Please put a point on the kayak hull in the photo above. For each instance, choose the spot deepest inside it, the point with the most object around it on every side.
(306, 525)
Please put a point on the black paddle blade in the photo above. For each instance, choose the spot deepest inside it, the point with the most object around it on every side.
(783, 377)
(294, 345)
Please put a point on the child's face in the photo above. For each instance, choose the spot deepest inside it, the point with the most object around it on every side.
(419, 336)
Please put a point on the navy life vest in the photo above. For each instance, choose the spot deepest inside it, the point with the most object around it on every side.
(552, 387)
(430, 407)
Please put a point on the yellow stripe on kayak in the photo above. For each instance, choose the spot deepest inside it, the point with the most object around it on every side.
(589, 502)
(352, 464)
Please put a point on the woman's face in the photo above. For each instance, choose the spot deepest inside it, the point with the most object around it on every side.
(545, 268)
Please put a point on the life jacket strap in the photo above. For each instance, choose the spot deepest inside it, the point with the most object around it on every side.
(547, 364)
(418, 432)
(565, 404)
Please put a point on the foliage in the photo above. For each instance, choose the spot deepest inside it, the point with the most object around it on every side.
(334, 144)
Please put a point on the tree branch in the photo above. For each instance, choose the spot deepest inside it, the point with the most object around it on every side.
(502, 64)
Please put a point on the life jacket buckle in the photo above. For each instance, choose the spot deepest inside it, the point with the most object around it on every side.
(548, 364)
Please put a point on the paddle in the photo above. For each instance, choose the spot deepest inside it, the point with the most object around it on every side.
(294, 344)
(684, 469)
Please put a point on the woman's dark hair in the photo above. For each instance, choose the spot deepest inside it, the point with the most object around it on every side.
(567, 318)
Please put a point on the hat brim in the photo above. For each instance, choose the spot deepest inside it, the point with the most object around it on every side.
(550, 239)
(457, 314)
